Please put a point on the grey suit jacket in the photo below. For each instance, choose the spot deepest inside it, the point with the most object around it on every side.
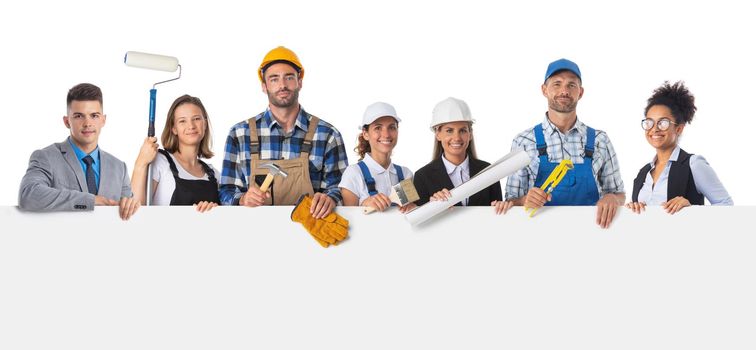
(55, 180)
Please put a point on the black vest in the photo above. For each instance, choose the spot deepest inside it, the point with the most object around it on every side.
(679, 183)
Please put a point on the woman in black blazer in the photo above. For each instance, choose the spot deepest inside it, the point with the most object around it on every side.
(454, 159)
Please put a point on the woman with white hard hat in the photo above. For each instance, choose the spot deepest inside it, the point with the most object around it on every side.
(368, 183)
(454, 159)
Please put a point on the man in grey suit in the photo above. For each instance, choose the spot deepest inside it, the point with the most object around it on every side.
(76, 175)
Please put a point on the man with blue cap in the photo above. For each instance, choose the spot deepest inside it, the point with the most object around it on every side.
(595, 179)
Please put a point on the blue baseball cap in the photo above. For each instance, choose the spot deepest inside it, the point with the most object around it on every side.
(560, 65)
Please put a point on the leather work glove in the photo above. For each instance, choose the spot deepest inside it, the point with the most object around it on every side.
(331, 229)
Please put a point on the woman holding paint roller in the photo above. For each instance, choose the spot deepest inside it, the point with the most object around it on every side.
(152, 62)
(179, 176)
(368, 183)
(455, 159)
(674, 179)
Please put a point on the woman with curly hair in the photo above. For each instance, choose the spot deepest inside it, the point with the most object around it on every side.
(674, 179)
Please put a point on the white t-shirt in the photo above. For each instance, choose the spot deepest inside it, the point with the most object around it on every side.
(161, 172)
(353, 181)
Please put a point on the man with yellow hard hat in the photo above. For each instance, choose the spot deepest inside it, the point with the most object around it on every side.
(309, 150)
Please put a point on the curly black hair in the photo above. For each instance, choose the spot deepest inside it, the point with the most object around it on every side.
(677, 98)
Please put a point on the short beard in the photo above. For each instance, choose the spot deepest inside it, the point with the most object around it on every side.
(557, 107)
(293, 99)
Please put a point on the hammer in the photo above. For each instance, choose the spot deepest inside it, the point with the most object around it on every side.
(273, 171)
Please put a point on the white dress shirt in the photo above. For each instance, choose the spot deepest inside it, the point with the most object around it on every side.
(458, 174)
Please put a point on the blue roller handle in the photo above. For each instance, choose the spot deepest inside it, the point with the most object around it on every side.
(153, 98)
(150, 133)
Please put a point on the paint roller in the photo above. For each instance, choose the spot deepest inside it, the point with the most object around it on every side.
(154, 62)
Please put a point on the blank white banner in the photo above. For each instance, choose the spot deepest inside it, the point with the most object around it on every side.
(239, 278)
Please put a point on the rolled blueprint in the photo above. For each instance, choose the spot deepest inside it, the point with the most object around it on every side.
(151, 61)
(500, 169)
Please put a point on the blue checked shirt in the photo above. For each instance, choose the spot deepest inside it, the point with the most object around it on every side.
(570, 146)
(328, 157)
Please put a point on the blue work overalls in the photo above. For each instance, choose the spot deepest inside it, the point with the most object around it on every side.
(370, 182)
(578, 187)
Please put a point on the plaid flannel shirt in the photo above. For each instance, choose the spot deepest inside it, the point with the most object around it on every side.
(571, 146)
(328, 157)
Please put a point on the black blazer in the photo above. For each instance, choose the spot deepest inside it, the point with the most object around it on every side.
(433, 178)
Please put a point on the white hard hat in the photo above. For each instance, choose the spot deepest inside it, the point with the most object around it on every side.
(378, 110)
(450, 110)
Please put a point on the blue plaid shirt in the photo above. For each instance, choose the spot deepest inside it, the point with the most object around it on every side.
(570, 146)
(328, 157)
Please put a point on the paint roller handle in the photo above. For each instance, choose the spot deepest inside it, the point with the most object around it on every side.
(150, 133)
(153, 102)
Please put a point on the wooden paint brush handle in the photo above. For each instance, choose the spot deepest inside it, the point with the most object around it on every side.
(394, 198)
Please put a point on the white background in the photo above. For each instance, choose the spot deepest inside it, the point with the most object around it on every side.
(409, 54)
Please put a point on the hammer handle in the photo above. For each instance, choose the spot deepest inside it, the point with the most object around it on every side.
(267, 182)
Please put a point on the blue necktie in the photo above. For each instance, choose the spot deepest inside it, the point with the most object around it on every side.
(91, 181)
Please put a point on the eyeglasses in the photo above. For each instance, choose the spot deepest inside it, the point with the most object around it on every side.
(662, 124)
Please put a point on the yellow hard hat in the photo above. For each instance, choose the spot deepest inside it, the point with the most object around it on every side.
(280, 54)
